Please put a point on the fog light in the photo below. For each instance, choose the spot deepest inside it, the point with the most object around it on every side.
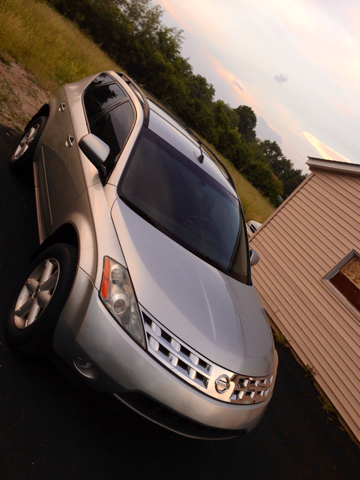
(83, 363)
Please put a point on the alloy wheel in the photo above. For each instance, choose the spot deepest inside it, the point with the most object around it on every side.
(36, 293)
(26, 141)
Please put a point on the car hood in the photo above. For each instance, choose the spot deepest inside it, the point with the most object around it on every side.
(219, 317)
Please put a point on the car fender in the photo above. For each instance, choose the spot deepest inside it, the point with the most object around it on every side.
(54, 104)
(90, 217)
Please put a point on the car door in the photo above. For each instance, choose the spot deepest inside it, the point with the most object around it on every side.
(61, 175)
(109, 116)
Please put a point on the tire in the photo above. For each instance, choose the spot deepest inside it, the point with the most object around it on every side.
(22, 158)
(40, 302)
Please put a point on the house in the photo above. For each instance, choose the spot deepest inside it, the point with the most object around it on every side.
(308, 278)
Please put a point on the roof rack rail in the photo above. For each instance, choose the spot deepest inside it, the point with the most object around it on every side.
(217, 158)
(131, 82)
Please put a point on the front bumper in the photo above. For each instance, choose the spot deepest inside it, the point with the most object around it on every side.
(121, 367)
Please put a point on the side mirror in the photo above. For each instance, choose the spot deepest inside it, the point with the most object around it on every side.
(95, 149)
(254, 258)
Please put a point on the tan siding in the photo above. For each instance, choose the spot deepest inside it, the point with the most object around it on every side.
(319, 335)
(318, 237)
(341, 231)
(338, 184)
(328, 195)
(326, 310)
(354, 183)
(286, 222)
(300, 243)
(321, 224)
(328, 383)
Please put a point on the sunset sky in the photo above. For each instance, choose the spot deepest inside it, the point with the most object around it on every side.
(296, 63)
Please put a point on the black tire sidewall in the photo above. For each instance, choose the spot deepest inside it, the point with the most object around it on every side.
(23, 164)
(36, 339)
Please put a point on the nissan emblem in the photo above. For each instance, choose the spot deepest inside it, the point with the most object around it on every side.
(222, 384)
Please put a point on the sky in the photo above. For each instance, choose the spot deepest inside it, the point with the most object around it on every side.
(296, 63)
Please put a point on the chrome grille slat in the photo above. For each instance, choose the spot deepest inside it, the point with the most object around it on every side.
(178, 354)
(198, 371)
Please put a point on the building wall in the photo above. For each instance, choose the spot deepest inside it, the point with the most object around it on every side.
(303, 240)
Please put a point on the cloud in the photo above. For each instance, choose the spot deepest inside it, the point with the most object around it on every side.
(281, 78)
(325, 151)
(238, 92)
(266, 132)
(238, 85)
(174, 12)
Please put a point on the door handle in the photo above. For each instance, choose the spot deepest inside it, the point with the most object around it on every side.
(69, 141)
(62, 106)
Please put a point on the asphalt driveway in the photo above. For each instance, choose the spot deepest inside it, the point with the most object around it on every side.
(50, 429)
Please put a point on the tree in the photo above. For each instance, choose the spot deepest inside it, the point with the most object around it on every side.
(292, 180)
(262, 178)
(271, 150)
(247, 123)
(232, 116)
(282, 167)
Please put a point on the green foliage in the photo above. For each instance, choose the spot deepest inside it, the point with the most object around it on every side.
(262, 177)
(232, 116)
(280, 338)
(247, 123)
(328, 406)
(309, 371)
(281, 166)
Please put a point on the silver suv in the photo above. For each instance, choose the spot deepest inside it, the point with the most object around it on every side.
(142, 281)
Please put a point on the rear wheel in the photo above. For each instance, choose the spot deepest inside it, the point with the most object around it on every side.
(35, 311)
(21, 160)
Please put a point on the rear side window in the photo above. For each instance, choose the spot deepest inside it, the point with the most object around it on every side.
(110, 115)
(100, 98)
(113, 128)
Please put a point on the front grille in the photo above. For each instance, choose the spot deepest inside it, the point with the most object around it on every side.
(176, 356)
(199, 372)
(251, 390)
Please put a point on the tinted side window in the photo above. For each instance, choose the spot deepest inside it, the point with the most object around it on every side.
(98, 99)
(113, 128)
(102, 79)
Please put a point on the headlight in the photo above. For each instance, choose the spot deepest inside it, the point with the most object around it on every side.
(118, 295)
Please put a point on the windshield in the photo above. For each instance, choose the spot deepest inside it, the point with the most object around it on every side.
(176, 196)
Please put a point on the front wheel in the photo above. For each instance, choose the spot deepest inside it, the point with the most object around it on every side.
(35, 311)
(21, 160)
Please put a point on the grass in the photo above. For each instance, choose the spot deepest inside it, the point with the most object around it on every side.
(309, 371)
(256, 206)
(280, 339)
(47, 45)
(4, 58)
(55, 51)
(328, 406)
